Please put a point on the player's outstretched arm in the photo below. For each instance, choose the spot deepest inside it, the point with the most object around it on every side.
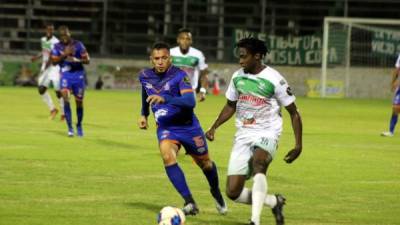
(36, 57)
(298, 133)
(225, 114)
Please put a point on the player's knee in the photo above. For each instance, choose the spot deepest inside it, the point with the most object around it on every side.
(41, 89)
(168, 154)
(205, 164)
(58, 93)
(260, 166)
(168, 158)
(232, 193)
(79, 104)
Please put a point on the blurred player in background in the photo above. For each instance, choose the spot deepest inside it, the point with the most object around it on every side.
(71, 54)
(396, 100)
(256, 93)
(192, 61)
(168, 91)
(49, 74)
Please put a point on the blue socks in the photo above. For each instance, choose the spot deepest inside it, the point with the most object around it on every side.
(177, 178)
(393, 122)
(212, 177)
(213, 181)
(79, 113)
(68, 115)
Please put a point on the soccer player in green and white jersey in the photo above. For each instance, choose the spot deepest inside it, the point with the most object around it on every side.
(49, 73)
(256, 93)
(192, 61)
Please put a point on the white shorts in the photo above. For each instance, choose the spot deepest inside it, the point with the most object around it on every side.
(50, 75)
(243, 148)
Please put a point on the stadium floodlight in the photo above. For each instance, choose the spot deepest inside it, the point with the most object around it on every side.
(354, 47)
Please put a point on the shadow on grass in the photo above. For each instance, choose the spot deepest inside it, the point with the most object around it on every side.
(115, 144)
(145, 205)
(223, 220)
(62, 132)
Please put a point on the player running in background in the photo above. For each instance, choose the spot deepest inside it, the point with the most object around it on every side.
(71, 54)
(256, 93)
(49, 74)
(192, 61)
(396, 100)
(167, 90)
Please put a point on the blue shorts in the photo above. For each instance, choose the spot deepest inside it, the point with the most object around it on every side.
(192, 138)
(396, 99)
(76, 85)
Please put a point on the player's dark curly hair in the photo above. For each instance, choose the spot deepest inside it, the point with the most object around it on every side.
(253, 45)
(160, 45)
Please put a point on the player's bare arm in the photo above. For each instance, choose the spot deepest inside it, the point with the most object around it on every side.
(85, 59)
(36, 57)
(204, 78)
(298, 133)
(226, 113)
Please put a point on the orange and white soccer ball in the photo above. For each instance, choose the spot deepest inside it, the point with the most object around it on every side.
(170, 215)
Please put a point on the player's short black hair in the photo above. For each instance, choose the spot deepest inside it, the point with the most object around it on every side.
(160, 45)
(184, 30)
(253, 45)
(48, 24)
(63, 27)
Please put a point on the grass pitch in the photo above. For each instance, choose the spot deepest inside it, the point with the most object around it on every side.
(347, 173)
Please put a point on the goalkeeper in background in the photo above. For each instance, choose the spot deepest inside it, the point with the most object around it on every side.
(396, 100)
(192, 61)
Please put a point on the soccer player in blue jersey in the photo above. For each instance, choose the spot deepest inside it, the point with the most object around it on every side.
(168, 91)
(71, 54)
(396, 100)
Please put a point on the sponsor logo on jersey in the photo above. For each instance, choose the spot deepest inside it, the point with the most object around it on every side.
(253, 100)
(186, 80)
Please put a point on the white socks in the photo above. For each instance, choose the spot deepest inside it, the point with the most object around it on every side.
(258, 195)
(47, 99)
(244, 197)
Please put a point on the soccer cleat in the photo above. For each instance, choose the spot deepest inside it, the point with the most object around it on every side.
(62, 117)
(387, 134)
(222, 209)
(278, 209)
(70, 132)
(220, 203)
(53, 114)
(79, 131)
(190, 209)
(251, 223)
